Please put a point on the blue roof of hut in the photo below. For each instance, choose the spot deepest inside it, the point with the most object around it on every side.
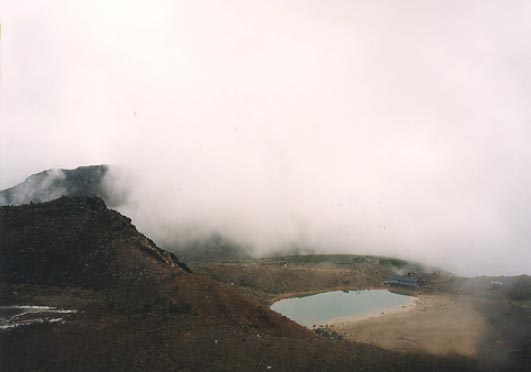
(408, 281)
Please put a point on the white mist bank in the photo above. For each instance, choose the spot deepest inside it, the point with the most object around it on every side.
(170, 212)
(375, 127)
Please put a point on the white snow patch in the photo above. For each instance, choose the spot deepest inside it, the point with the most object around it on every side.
(23, 315)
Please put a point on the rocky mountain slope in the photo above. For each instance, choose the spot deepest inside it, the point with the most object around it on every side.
(94, 180)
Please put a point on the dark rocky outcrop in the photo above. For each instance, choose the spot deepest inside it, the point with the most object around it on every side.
(75, 241)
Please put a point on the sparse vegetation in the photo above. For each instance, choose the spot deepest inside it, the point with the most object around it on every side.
(344, 260)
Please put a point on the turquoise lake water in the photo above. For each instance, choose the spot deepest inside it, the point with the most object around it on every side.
(325, 307)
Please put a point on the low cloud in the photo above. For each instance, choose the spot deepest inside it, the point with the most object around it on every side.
(381, 127)
(41, 187)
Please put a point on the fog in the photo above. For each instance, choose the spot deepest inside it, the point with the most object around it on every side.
(383, 127)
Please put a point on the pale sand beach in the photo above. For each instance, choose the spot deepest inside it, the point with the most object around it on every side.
(376, 314)
(437, 324)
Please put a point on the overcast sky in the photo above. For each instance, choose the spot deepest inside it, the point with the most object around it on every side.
(385, 127)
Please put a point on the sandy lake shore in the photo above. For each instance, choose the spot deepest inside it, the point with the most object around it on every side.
(390, 310)
(438, 324)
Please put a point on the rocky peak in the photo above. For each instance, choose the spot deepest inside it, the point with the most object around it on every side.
(77, 241)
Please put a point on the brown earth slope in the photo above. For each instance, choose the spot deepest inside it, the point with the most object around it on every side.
(139, 308)
(455, 315)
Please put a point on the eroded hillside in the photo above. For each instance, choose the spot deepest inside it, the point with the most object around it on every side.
(127, 305)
